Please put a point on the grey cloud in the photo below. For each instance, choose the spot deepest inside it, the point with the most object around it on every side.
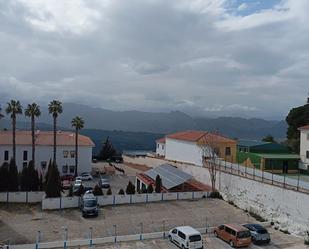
(156, 55)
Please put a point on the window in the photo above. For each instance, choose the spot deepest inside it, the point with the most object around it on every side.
(43, 164)
(25, 155)
(6, 155)
(72, 169)
(181, 235)
(307, 154)
(24, 164)
(72, 153)
(227, 151)
(65, 153)
(65, 169)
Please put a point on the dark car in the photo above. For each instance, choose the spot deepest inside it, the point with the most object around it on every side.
(259, 234)
(104, 183)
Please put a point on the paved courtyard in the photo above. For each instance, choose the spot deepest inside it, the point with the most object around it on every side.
(20, 223)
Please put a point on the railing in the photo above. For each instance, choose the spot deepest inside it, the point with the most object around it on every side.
(22, 197)
(264, 176)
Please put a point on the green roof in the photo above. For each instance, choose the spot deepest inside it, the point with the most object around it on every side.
(278, 156)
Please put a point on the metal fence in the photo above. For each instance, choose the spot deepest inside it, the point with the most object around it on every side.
(283, 181)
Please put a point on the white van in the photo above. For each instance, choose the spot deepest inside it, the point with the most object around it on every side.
(186, 237)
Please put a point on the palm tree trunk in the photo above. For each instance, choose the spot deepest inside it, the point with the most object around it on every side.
(33, 139)
(76, 151)
(14, 137)
(55, 137)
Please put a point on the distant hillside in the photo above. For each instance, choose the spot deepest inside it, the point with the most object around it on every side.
(139, 130)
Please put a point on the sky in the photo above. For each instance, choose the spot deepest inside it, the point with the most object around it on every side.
(207, 58)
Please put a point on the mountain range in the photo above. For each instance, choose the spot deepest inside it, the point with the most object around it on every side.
(100, 123)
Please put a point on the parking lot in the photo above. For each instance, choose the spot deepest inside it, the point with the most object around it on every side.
(20, 223)
(210, 242)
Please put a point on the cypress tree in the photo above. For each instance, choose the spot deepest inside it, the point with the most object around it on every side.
(4, 177)
(24, 180)
(97, 190)
(13, 176)
(121, 192)
(130, 190)
(33, 177)
(109, 191)
(53, 186)
(158, 184)
(150, 189)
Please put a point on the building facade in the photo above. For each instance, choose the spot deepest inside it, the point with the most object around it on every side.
(304, 147)
(185, 147)
(44, 150)
(160, 147)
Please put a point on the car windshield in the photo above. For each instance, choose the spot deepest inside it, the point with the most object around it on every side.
(243, 234)
(194, 238)
(262, 231)
(90, 203)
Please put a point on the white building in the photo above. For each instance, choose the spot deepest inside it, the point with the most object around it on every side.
(304, 147)
(183, 147)
(160, 147)
(44, 150)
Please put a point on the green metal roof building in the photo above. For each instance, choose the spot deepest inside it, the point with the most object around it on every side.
(271, 157)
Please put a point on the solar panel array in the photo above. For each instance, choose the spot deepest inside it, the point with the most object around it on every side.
(171, 176)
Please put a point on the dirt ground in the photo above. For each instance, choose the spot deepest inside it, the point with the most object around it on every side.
(20, 223)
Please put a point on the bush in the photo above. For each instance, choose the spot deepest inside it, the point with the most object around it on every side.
(130, 190)
(215, 195)
(109, 191)
(97, 190)
(149, 189)
(70, 194)
(81, 190)
(121, 192)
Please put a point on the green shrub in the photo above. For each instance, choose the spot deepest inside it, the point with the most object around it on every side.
(97, 190)
(150, 189)
(109, 191)
(130, 190)
(215, 195)
(121, 192)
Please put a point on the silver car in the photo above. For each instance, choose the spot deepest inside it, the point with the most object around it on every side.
(259, 234)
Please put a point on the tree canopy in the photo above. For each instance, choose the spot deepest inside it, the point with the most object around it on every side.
(269, 138)
(297, 117)
(107, 151)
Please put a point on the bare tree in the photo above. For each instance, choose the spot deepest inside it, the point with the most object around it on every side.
(210, 150)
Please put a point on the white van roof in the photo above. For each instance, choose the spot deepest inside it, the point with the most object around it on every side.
(188, 230)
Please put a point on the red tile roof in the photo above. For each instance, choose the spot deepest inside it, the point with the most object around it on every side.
(305, 127)
(194, 136)
(161, 140)
(64, 138)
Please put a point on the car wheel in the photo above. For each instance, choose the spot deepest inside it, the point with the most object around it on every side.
(232, 243)
(170, 238)
(183, 247)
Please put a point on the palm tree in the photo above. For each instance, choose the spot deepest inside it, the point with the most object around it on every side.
(55, 108)
(14, 108)
(1, 115)
(78, 123)
(33, 111)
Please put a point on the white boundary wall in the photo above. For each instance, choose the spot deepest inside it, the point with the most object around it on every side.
(286, 207)
(73, 202)
(21, 197)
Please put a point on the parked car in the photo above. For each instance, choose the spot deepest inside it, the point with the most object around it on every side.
(77, 183)
(85, 177)
(236, 235)
(259, 234)
(66, 184)
(104, 183)
(67, 177)
(89, 205)
(186, 237)
(88, 189)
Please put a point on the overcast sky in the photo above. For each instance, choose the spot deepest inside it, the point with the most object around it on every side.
(222, 57)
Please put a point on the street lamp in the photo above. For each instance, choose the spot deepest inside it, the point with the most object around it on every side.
(142, 228)
(115, 232)
(90, 228)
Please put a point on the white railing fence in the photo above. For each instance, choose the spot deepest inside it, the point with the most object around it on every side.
(257, 174)
(22, 197)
